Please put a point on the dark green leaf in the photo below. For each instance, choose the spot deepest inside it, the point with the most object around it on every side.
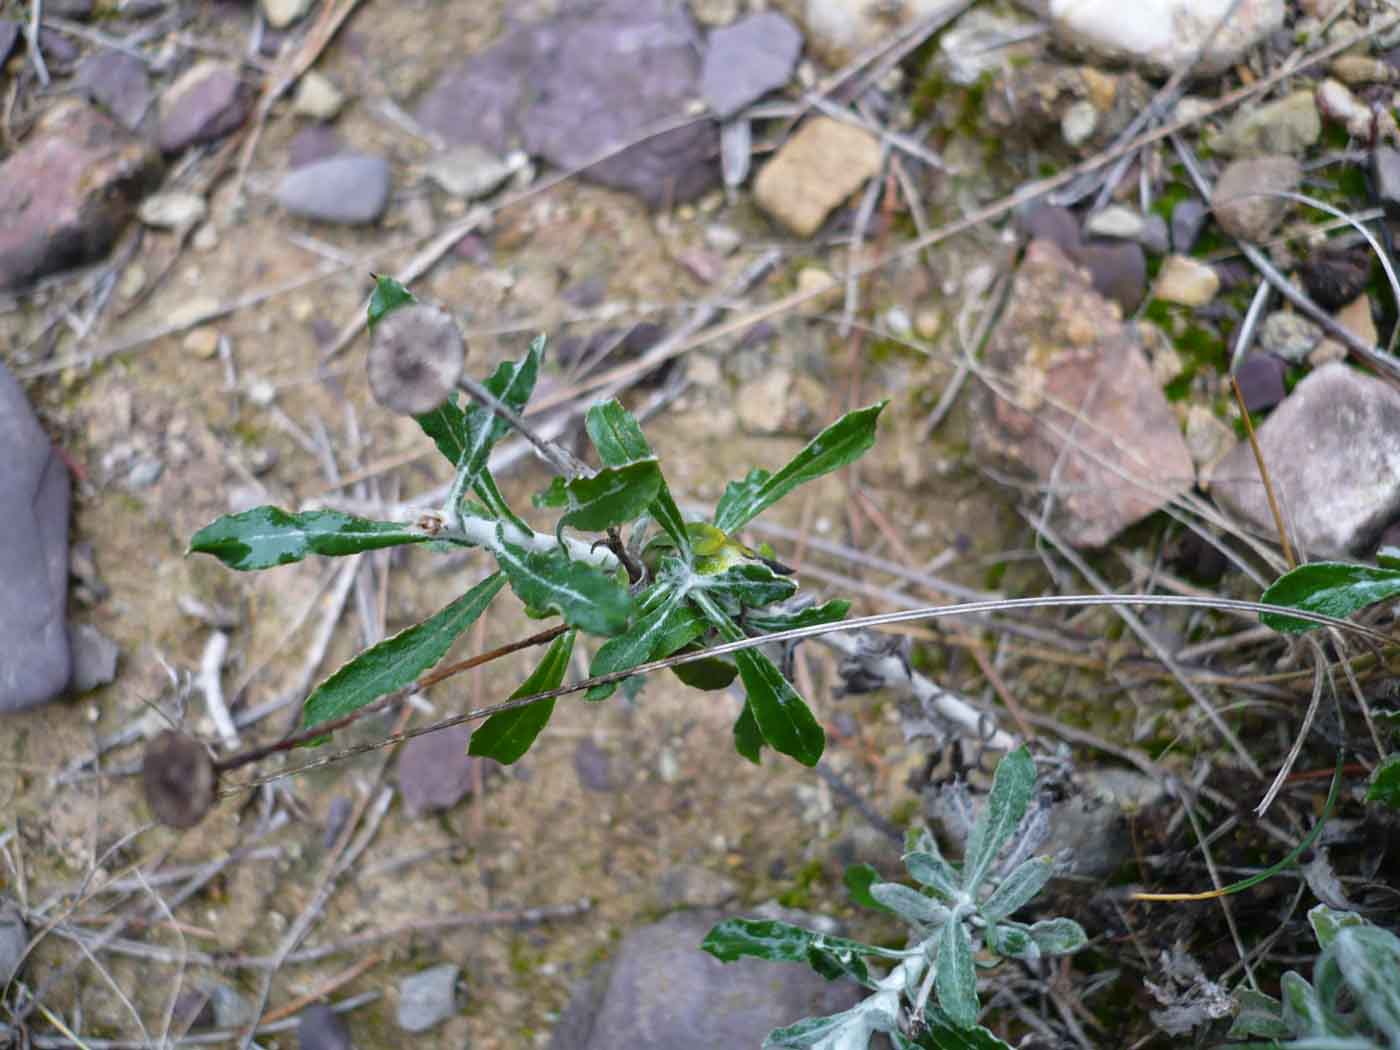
(613, 496)
(740, 494)
(770, 623)
(776, 941)
(1017, 888)
(751, 584)
(1327, 921)
(619, 441)
(783, 717)
(748, 740)
(1012, 941)
(957, 976)
(939, 1033)
(555, 495)
(1331, 587)
(844, 1031)
(1258, 1015)
(843, 442)
(507, 735)
(639, 644)
(1388, 557)
(1385, 782)
(398, 661)
(1012, 785)
(859, 878)
(707, 675)
(388, 296)
(266, 536)
(587, 598)
(836, 965)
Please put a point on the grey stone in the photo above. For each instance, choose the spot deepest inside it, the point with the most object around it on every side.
(68, 191)
(79, 10)
(321, 1028)
(1334, 461)
(694, 886)
(1188, 220)
(593, 766)
(1080, 408)
(1046, 222)
(435, 771)
(1260, 377)
(1288, 126)
(661, 992)
(14, 938)
(1290, 336)
(1245, 200)
(1154, 236)
(94, 658)
(348, 189)
(1385, 173)
(35, 662)
(119, 84)
(1118, 270)
(206, 103)
(596, 75)
(61, 52)
(1116, 221)
(470, 171)
(746, 60)
(427, 998)
(231, 1010)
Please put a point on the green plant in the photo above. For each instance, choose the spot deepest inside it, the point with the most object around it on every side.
(953, 912)
(1353, 1002)
(669, 586)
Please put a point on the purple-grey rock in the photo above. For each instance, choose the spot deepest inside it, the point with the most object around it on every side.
(35, 663)
(321, 1028)
(1154, 236)
(593, 766)
(1188, 220)
(1261, 381)
(1385, 173)
(1079, 409)
(1118, 270)
(9, 36)
(1246, 199)
(68, 191)
(206, 103)
(435, 771)
(1046, 222)
(314, 142)
(119, 84)
(75, 9)
(661, 992)
(428, 997)
(94, 658)
(1333, 459)
(746, 60)
(596, 76)
(349, 189)
(61, 52)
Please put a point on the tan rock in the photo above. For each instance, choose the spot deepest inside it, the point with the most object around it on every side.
(1362, 69)
(1356, 318)
(202, 342)
(317, 97)
(1186, 281)
(826, 293)
(815, 172)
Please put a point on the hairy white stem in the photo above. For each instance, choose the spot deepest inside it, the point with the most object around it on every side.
(211, 665)
(481, 532)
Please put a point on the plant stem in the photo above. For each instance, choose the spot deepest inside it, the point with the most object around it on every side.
(429, 678)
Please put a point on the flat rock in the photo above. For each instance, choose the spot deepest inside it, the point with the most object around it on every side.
(1161, 36)
(1288, 126)
(94, 658)
(1245, 200)
(435, 771)
(9, 36)
(661, 992)
(206, 103)
(593, 766)
(815, 171)
(1079, 407)
(746, 60)
(470, 171)
(117, 82)
(597, 75)
(35, 663)
(1118, 270)
(428, 997)
(321, 1028)
(68, 191)
(312, 143)
(349, 189)
(1260, 377)
(1332, 449)
(1185, 280)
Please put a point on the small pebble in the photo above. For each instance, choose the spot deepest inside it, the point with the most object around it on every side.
(1115, 221)
(317, 97)
(427, 998)
(202, 342)
(175, 210)
(321, 1028)
(1261, 381)
(1291, 336)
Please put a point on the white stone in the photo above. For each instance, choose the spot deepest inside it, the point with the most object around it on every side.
(282, 13)
(172, 211)
(317, 97)
(1079, 123)
(470, 171)
(1116, 220)
(1163, 35)
(1187, 281)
